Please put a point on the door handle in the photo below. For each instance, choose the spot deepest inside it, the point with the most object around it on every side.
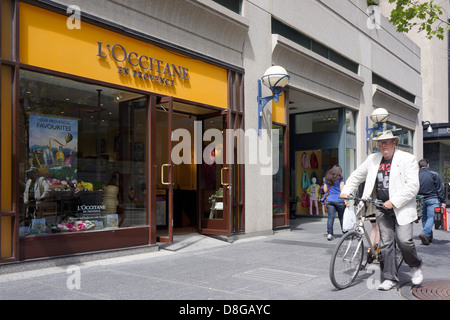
(221, 176)
(162, 173)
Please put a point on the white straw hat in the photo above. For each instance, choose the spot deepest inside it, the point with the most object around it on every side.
(386, 135)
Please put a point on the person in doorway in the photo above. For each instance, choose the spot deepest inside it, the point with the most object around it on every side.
(432, 190)
(334, 182)
(394, 175)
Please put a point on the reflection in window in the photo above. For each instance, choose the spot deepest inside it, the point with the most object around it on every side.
(82, 164)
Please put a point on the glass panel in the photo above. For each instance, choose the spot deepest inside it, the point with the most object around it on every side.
(316, 121)
(405, 135)
(233, 5)
(83, 150)
(350, 120)
(278, 183)
(211, 189)
(350, 161)
(320, 49)
(292, 34)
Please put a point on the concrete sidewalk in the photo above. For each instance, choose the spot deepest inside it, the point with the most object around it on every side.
(288, 265)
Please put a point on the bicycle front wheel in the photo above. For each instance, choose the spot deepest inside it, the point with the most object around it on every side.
(346, 260)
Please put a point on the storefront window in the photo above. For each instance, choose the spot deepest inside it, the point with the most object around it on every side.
(83, 159)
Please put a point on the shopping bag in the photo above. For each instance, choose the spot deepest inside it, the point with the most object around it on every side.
(349, 219)
(438, 215)
(445, 224)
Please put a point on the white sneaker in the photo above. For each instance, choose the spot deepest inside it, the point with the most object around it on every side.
(330, 237)
(387, 285)
(417, 277)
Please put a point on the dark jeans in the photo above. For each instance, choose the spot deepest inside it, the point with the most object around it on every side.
(332, 208)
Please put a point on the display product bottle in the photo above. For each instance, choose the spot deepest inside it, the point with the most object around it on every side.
(59, 157)
(48, 158)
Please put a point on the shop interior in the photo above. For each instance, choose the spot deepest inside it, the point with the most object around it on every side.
(82, 150)
(83, 164)
(316, 127)
(196, 183)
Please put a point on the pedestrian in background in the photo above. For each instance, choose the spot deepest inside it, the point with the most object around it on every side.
(432, 190)
(334, 182)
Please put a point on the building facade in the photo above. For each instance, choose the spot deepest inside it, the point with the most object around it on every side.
(436, 88)
(124, 122)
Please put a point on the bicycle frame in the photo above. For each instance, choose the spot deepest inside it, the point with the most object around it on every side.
(359, 225)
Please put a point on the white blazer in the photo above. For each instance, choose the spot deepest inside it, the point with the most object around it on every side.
(403, 183)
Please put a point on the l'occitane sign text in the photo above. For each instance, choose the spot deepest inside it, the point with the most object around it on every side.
(96, 53)
(146, 64)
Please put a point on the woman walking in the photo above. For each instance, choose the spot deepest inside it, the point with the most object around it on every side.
(334, 182)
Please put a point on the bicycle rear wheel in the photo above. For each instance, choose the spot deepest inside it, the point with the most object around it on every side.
(346, 260)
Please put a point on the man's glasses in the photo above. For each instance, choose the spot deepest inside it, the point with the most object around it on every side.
(384, 142)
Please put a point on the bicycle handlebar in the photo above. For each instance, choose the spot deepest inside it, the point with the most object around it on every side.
(377, 203)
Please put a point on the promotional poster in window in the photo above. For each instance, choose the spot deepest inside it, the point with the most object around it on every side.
(53, 143)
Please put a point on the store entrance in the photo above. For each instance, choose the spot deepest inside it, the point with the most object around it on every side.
(189, 169)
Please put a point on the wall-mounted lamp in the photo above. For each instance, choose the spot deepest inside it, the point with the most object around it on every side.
(275, 78)
(379, 116)
(429, 129)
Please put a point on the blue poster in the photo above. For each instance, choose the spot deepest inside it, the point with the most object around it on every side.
(53, 143)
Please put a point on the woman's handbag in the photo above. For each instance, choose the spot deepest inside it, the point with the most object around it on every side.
(323, 200)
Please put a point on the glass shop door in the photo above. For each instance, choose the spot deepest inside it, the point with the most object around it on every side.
(164, 170)
(214, 182)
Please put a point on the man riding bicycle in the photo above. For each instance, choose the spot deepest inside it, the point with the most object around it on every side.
(393, 175)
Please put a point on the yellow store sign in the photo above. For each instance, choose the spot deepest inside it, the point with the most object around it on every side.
(96, 53)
